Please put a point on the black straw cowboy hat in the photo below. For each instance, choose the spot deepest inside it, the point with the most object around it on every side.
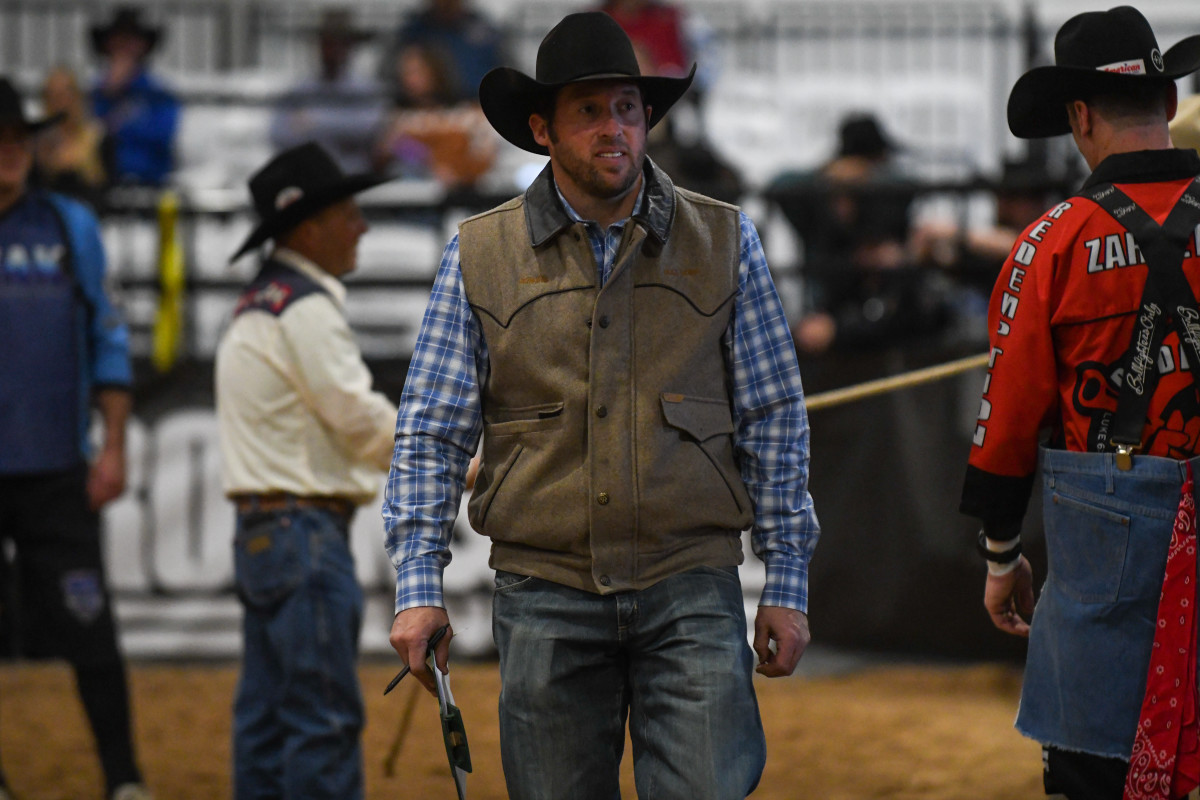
(12, 110)
(295, 185)
(585, 46)
(1094, 51)
(127, 19)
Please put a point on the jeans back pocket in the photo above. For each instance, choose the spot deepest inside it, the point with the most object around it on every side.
(1086, 544)
(268, 561)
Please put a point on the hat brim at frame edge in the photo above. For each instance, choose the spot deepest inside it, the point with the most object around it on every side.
(305, 207)
(508, 97)
(1037, 103)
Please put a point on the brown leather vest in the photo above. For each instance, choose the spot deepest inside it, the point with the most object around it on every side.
(608, 459)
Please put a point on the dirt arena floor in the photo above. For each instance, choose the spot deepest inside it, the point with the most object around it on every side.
(905, 732)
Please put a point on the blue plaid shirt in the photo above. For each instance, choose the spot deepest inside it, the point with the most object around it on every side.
(440, 422)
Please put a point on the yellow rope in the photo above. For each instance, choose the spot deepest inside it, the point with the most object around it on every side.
(850, 394)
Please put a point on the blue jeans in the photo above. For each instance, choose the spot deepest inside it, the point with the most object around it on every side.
(672, 659)
(298, 714)
(1107, 536)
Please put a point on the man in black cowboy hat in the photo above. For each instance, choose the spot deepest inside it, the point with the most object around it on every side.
(65, 355)
(304, 441)
(619, 345)
(139, 112)
(341, 111)
(1094, 337)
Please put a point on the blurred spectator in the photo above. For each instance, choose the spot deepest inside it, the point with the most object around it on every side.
(853, 218)
(974, 255)
(430, 133)
(658, 29)
(467, 41)
(1185, 128)
(337, 109)
(70, 157)
(140, 115)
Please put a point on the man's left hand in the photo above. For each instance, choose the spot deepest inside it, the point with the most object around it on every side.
(788, 628)
(106, 478)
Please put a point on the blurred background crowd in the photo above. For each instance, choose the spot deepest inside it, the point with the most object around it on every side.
(866, 138)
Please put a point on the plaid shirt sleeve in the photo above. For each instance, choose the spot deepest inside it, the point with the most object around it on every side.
(771, 426)
(437, 430)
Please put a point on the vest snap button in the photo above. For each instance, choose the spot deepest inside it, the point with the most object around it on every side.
(604, 322)
(589, 322)
(605, 580)
(602, 411)
(602, 498)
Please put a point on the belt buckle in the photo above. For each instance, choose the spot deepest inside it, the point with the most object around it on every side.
(1124, 456)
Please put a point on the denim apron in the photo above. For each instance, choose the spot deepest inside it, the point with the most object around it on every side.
(1107, 534)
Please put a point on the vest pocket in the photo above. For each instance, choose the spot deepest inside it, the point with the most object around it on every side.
(509, 421)
(708, 424)
(1086, 544)
(497, 478)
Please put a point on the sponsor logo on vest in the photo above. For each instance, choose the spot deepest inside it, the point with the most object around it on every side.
(1142, 359)
(678, 273)
(534, 279)
(1123, 210)
(1189, 200)
(1134, 66)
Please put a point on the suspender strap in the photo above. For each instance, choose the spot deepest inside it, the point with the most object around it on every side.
(1166, 296)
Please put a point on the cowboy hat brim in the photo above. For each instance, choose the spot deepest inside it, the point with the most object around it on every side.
(508, 98)
(308, 205)
(1037, 103)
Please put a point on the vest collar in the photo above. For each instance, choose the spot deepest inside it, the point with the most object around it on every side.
(545, 217)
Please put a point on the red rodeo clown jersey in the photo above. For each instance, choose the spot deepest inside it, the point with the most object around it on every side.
(1062, 316)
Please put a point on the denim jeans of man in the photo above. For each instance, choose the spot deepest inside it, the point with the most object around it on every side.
(298, 714)
(1108, 531)
(671, 659)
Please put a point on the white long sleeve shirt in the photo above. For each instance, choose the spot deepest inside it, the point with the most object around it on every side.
(295, 408)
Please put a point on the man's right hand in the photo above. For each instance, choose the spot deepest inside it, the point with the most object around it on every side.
(1009, 598)
(411, 630)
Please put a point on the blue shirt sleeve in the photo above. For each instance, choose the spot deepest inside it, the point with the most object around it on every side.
(438, 426)
(107, 334)
(771, 429)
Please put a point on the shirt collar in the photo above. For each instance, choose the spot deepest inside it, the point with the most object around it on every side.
(1145, 166)
(306, 267)
(574, 215)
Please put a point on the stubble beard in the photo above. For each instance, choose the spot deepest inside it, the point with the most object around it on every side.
(595, 181)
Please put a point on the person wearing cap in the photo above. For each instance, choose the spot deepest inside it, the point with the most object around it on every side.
(304, 441)
(140, 113)
(1093, 342)
(341, 111)
(65, 355)
(618, 344)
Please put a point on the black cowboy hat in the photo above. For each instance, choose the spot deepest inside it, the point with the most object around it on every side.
(585, 46)
(12, 110)
(127, 19)
(862, 135)
(1094, 51)
(295, 185)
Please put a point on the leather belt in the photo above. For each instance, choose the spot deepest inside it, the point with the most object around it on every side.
(280, 501)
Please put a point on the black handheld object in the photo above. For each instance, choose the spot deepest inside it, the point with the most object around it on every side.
(433, 642)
